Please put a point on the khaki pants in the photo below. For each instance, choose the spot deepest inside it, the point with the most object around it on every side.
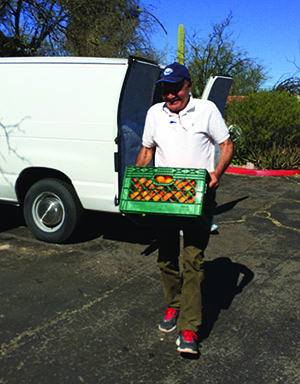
(183, 290)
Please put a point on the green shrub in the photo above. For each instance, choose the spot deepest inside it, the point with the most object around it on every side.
(266, 129)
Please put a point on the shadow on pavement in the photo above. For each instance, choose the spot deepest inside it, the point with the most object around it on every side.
(11, 217)
(113, 227)
(96, 224)
(223, 280)
(228, 206)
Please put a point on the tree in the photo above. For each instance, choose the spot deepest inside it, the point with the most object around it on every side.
(219, 55)
(290, 85)
(112, 29)
(27, 24)
(81, 27)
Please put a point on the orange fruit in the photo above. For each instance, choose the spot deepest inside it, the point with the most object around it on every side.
(178, 195)
(160, 179)
(136, 195)
(168, 179)
(138, 186)
(148, 183)
(167, 196)
(183, 199)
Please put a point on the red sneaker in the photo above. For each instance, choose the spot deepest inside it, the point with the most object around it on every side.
(168, 324)
(187, 343)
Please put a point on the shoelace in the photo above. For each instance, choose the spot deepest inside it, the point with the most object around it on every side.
(170, 312)
(189, 336)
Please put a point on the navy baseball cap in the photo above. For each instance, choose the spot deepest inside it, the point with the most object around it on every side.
(174, 73)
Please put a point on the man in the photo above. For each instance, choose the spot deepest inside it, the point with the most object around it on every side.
(181, 132)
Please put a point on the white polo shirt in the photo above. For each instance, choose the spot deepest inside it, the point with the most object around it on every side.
(186, 139)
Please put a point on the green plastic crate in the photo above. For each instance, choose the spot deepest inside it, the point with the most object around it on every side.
(179, 202)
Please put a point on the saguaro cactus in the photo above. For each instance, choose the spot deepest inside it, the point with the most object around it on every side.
(180, 45)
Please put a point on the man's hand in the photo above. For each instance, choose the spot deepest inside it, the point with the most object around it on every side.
(214, 181)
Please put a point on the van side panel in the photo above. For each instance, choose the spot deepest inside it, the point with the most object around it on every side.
(62, 116)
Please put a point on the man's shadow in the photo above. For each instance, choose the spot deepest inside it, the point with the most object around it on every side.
(223, 280)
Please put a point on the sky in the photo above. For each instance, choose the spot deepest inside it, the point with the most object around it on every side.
(269, 30)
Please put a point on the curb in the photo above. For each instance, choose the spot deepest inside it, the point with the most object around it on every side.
(262, 172)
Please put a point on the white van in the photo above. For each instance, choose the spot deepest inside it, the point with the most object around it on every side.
(68, 129)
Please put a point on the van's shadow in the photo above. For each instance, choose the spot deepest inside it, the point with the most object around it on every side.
(113, 227)
(121, 228)
(223, 280)
(11, 217)
(94, 225)
(97, 224)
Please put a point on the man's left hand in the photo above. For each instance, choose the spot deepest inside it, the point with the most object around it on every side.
(214, 181)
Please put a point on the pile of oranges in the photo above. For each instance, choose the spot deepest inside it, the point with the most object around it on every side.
(163, 189)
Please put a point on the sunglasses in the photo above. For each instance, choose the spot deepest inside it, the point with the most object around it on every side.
(172, 88)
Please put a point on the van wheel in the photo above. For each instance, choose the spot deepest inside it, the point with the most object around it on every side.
(52, 210)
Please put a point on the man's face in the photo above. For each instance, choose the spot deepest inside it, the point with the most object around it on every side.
(176, 95)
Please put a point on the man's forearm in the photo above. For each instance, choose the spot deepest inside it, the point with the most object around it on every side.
(223, 163)
(144, 157)
(225, 157)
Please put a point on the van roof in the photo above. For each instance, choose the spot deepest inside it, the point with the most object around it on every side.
(62, 60)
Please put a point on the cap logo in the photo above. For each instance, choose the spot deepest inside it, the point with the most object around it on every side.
(168, 71)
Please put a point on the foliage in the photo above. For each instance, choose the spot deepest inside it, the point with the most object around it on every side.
(266, 129)
(113, 28)
(116, 28)
(291, 85)
(26, 24)
(219, 55)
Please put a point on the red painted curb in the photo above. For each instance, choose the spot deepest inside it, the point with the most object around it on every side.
(262, 172)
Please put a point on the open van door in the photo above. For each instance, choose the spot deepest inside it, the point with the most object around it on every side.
(139, 93)
(217, 90)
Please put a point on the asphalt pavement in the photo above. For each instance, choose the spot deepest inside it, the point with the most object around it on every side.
(87, 312)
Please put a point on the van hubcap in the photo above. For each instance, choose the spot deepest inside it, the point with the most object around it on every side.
(48, 212)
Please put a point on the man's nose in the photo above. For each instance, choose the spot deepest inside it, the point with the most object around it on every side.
(171, 95)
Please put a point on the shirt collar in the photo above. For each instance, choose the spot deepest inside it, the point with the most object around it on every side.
(189, 108)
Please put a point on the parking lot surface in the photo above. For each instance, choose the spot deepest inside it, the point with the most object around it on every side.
(87, 312)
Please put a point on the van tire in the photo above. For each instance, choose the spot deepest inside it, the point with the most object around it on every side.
(52, 210)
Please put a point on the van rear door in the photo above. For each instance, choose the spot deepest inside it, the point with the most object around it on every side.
(139, 93)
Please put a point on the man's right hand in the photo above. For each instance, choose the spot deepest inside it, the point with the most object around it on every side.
(144, 157)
